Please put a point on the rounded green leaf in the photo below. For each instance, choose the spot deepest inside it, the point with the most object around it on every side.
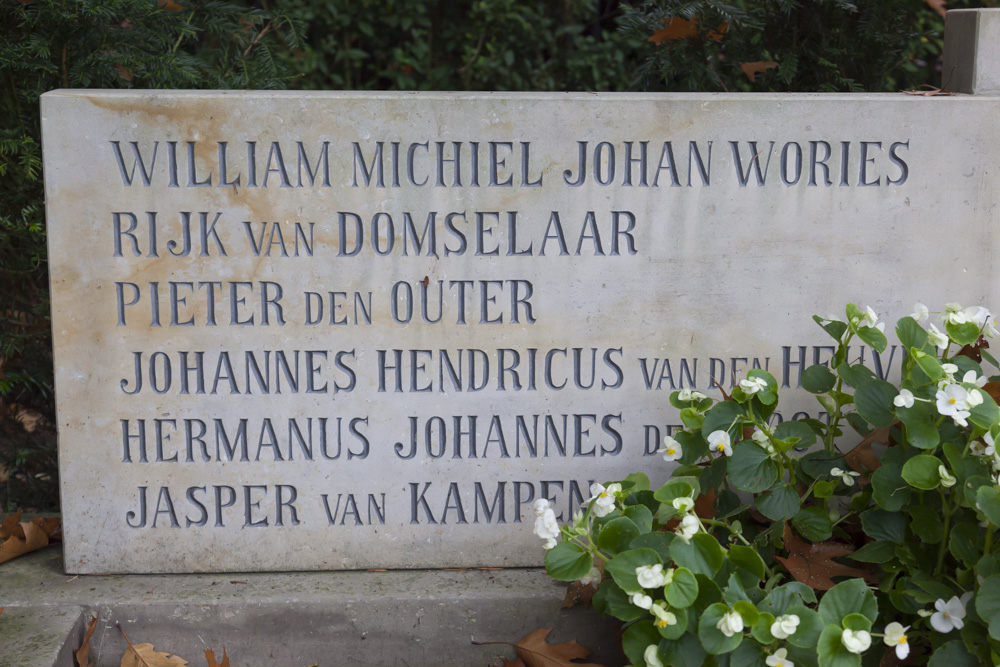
(685, 652)
(747, 612)
(875, 338)
(953, 654)
(713, 639)
(683, 590)
(806, 437)
(919, 422)
(988, 500)
(926, 524)
(748, 559)
(611, 600)
(622, 567)
(857, 622)
(761, 630)
(813, 524)
(848, 597)
(875, 552)
(879, 524)
(702, 555)
(922, 472)
(928, 363)
(818, 379)
(636, 638)
(675, 630)
(640, 516)
(988, 604)
(910, 333)
(873, 400)
(780, 503)
(657, 541)
(723, 416)
(567, 562)
(986, 414)
(617, 534)
(678, 487)
(889, 489)
(831, 650)
(751, 469)
(966, 333)
(810, 626)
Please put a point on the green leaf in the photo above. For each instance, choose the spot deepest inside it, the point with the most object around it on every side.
(751, 469)
(813, 524)
(780, 599)
(567, 562)
(818, 379)
(676, 630)
(622, 567)
(988, 604)
(749, 654)
(708, 593)
(683, 590)
(637, 481)
(835, 328)
(795, 429)
(926, 524)
(685, 652)
(693, 444)
(848, 597)
(747, 612)
(722, 417)
(910, 333)
(988, 500)
(611, 600)
(922, 472)
(678, 487)
(768, 395)
(831, 650)
(953, 654)
(712, 639)
(873, 401)
(701, 555)
(921, 431)
(640, 516)
(882, 525)
(636, 638)
(810, 626)
(875, 338)
(657, 541)
(928, 363)
(986, 414)
(823, 488)
(965, 543)
(966, 333)
(617, 534)
(889, 489)
(856, 375)
(778, 504)
(761, 630)
(857, 622)
(875, 552)
(748, 559)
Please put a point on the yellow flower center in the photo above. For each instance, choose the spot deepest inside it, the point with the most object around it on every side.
(780, 664)
(719, 447)
(662, 623)
(671, 451)
(902, 640)
(951, 401)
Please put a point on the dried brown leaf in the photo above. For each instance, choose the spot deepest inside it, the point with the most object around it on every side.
(579, 593)
(35, 537)
(144, 655)
(993, 389)
(536, 652)
(83, 653)
(210, 656)
(862, 459)
(170, 5)
(812, 564)
(753, 69)
(11, 526)
(678, 28)
(929, 91)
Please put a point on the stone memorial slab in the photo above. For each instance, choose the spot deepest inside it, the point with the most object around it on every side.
(344, 330)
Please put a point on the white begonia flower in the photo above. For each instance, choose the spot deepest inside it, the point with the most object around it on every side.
(753, 385)
(720, 442)
(920, 313)
(971, 378)
(663, 617)
(730, 624)
(975, 398)
(992, 327)
(869, 318)
(991, 448)
(895, 636)
(784, 626)
(689, 528)
(651, 656)
(779, 659)
(937, 339)
(949, 371)
(690, 395)
(650, 576)
(954, 314)
(604, 497)
(856, 641)
(846, 476)
(950, 615)
(953, 398)
(683, 504)
(641, 600)
(671, 449)
(540, 506)
(763, 439)
(904, 399)
(947, 479)
(592, 577)
(547, 528)
(977, 315)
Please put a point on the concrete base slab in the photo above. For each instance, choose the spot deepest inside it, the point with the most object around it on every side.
(426, 617)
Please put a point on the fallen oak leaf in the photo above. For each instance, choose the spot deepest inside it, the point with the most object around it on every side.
(753, 69)
(34, 538)
(678, 29)
(536, 652)
(9, 526)
(143, 655)
(210, 656)
(82, 654)
(812, 563)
